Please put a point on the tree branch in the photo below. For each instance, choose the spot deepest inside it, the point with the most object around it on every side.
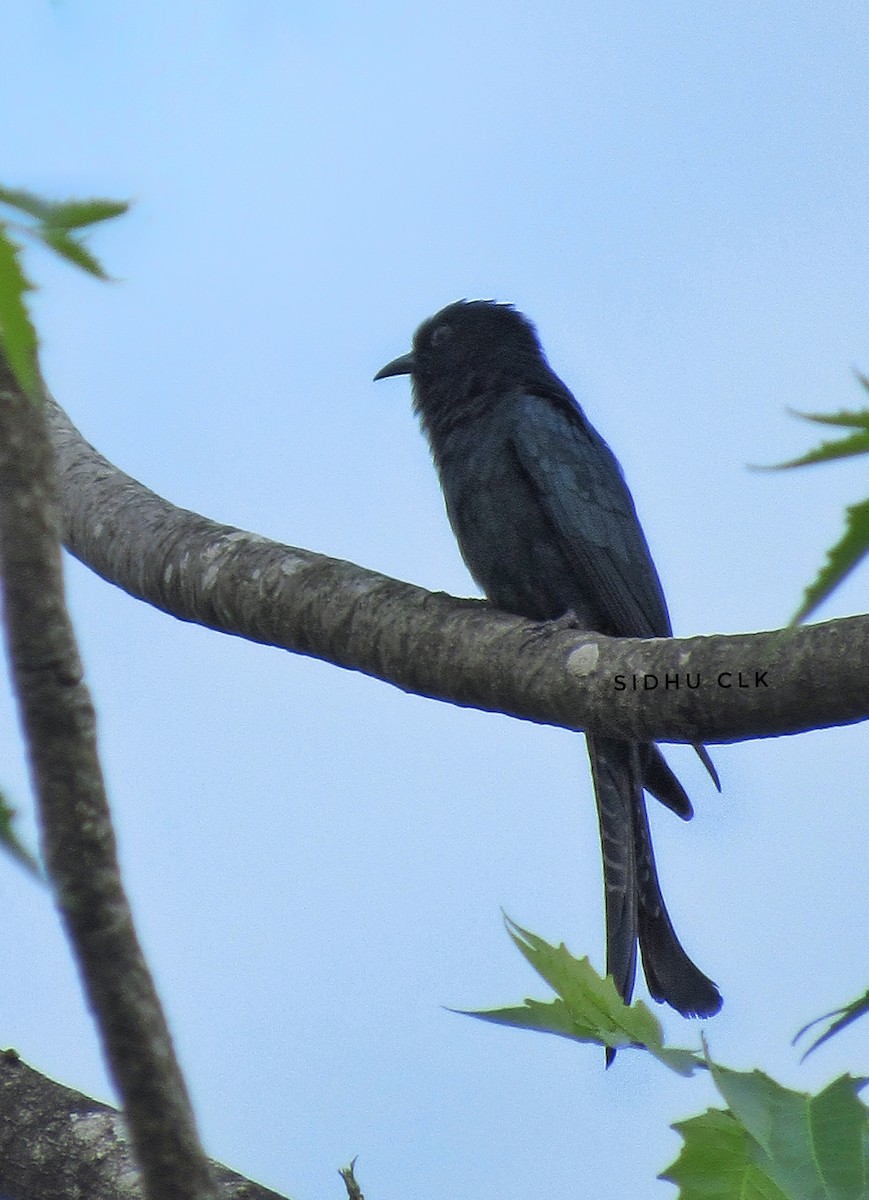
(58, 1144)
(77, 837)
(712, 689)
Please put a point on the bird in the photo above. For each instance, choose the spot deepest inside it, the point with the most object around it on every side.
(548, 529)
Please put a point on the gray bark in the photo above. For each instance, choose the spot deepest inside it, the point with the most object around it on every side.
(463, 651)
(57, 1144)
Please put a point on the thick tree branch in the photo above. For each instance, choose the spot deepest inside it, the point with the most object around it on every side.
(76, 831)
(58, 1144)
(713, 689)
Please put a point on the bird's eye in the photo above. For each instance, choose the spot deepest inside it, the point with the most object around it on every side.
(442, 334)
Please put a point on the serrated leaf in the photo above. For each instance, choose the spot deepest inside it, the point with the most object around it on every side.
(55, 222)
(857, 443)
(25, 202)
(546, 1017)
(841, 560)
(719, 1160)
(591, 999)
(849, 447)
(814, 1145)
(63, 214)
(853, 545)
(850, 418)
(76, 214)
(18, 339)
(588, 1008)
(71, 249)
(842, 1018)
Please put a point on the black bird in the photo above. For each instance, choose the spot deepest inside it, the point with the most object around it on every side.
(547, 527)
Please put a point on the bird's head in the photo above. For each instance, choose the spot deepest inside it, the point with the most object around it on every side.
(469, 344)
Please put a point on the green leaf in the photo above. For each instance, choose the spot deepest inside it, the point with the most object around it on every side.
(551, 1016)
(76, 214)
(841, 560)
(54, 221)
(849, 447)
(71, 249)
(25, 202)
(843, 1017)
(857, 443)
(854, 543)
(850, 418)
(11, 842)
(18, 340)
(588, 1008)
(814, 1145)
(63, 214)
(720, 1161)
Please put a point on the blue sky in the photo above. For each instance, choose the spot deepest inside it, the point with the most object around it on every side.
(318, 862)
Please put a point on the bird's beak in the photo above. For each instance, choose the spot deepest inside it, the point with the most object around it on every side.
(398, 366)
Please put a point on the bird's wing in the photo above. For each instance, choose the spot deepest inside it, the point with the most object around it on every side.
(580, 487)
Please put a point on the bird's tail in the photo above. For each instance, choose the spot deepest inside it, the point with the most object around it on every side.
(635, 910)
(670, 973)
(658, 778)
(615, 774)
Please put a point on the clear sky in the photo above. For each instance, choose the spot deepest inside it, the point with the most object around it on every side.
(676, 194)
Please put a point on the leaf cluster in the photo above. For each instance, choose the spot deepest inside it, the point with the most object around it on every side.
(768, 1143)
(854, 542)
(57, 224)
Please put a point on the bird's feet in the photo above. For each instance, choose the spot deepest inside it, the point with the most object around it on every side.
(565, 623)
(570, 620)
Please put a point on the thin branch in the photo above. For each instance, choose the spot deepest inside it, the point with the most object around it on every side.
(713, 689)
(77, 838)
